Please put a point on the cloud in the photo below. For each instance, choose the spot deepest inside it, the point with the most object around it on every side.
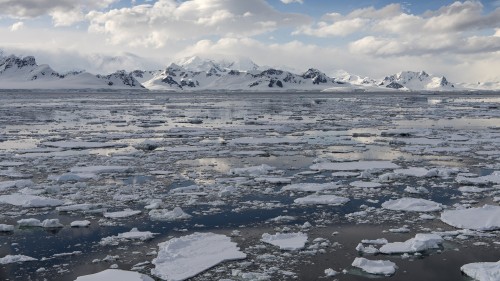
(165, 21)
(63, 12)
(292, 1)
(17, 26)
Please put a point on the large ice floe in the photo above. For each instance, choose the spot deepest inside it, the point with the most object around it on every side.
(482, 271)
(483, 218)
(322, 200)
(15, 259)
(115, 274)
(354, 166)
(379, 267)
(412, 205)
(184, 257)
(421, 242)
(286, 241)
(26, 200)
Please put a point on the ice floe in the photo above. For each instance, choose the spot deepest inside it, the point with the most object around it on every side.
(482, 271)
(286, 241)
(165, 215)
(310, 187)
(421, 242)
(83, 223)
(380, 267)
(483, 218)
(15, 259)
(354, 166)
(115, 274)
(412, 205)
(185, 257)
(322, 200)
(6, 228)
(29, 201)
(122, 214)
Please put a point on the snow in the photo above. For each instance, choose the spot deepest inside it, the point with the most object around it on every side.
(286, 241)
(122, 214)
(354, 166)
(482, 218)
(29, 201)
(322, 199)
(165, 215)
(482, 271)
(15, 259)
(115, 274)
(412, 205)
(419, 243)
(187, 256)
(380, 267)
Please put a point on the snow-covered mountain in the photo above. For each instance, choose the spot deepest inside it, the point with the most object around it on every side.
(416, 81)
(25, 73)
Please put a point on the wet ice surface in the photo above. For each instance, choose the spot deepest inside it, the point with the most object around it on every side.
(90, 182)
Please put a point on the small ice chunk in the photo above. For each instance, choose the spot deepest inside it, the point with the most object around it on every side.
(51, 223)
(286, 241)
(416, 190)
(252, 171)
(29, 223)
(273, 180)
(366, 250)
(15, 259)
(6, 228)
(81, 144)
(379, 267)
(185, 257)
(122, 214)
(101, 169)
(77, 207)
(482, 271)
(380, 241)
(481, 218)
(310, 187)
(419, 243)
(330, 272)
(147, 145)
(83, 223)
(322, 200)
(412, 205)
(165, 215)
(354, 166)
(29, 201)
(115, 274)
(15, 184)
(414, 172)
(365, 184)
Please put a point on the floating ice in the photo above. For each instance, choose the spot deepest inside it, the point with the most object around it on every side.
(286, 241)
(365, 184)
(354, 166)
(15, 184)
(482, 271)
(165, 215)
(419, 243)
(6, 228)
(133, 234)
(147, 145)
(115, 274)
(412, 205)
(122, 214)
(252, 171)
(51, 223)
(77, 207)
(322, 200)
(481, 218)
(83, 223)
(416, 190)
(273, 180)
(310, 187)
(82, 144)
(330, 272)
(493, 178)
(29, 223)
(185, 257)
(29, 201)
(101, 169)
(414, 172)
(380, 267)
(15, 258)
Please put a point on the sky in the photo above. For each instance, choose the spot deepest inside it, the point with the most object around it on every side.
(374, 38)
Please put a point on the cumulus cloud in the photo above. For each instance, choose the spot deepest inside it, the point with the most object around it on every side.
(17, 26)
(63, 12)
(168, 20)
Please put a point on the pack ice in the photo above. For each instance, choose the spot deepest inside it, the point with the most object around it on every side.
(483, 218)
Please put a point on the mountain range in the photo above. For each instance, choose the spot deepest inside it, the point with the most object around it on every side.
(197, 74)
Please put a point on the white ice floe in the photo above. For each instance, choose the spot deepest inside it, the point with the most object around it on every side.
(165, 215)
(115, 274)
(365, 184)
(101, 169)
(77, 207)
(321, 200)
(380, 241)
(122, 214)
(51, 223)
(184, 257)
(486, 217)
(416, 190)
(273, 180)
(15, 184)
(380, 267)
(412, 205)
(415, 172)
(29, 201)
(29, 223)
(366, 250)
(286, 241)
(492, 178)
(133, 234)
(354, 166)
(482, 271)
(6, 228)
(329, 272)
(310, 187)
(252, 171)
(83, 223)
(421, 242)
(15, 259)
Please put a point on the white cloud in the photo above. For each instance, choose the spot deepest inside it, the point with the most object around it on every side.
(168, 20)
(17, 26)
(292, 1)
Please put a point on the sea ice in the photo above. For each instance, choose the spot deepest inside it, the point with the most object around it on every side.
(29, 201)
(165, 215)
(482, 271)
(252, 171)
(83, 223)
(115, 275)
(421, 242)
(122, 214)
(51, 223)
(82, 144)
(380, 267)
(310, 187)
(29, 223)
(6, 228)
(184, 257)
(412, 205)
(15, 258)
(354, 166)
(483, 218)
(101, 169)
(286, 241)
(365, 184)
(322, 200)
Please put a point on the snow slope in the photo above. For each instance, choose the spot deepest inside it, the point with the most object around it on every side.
(416, 81)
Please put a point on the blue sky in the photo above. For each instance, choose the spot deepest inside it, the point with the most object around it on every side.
(459, 39)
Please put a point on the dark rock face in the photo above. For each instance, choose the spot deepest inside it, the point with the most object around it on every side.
(121, 75)
(12, 61)
(317, 76)
(394, 85)
(170, 81)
